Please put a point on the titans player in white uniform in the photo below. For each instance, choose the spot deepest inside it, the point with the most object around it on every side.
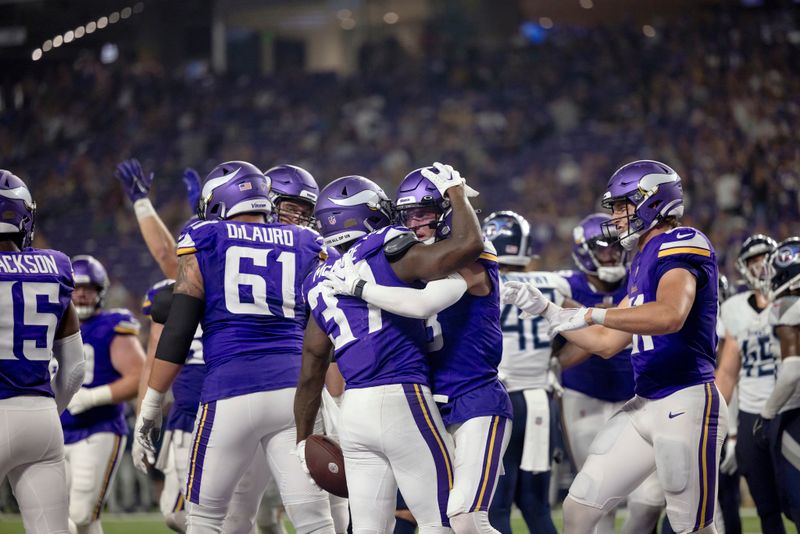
(38, 321)
(524, 370)
(749, 359)
(391, 433)
(242, 278)
(677, 422)
(778, 424)
(95, 430)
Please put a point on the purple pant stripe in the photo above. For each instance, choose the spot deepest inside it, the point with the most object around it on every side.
(202, 444)
(430, 435)
(713, 427)
(705, 476)
(497, 460)
(481, 497)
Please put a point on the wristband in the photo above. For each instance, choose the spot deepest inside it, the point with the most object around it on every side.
(359, 288)
(599, 315)
(143, 208)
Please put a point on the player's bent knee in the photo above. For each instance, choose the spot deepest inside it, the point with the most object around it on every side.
(81, 514)
(672, 464)
(471, 523)
(311, 517)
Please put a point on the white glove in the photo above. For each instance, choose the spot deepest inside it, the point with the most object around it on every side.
(300, 452)
(146, 431)
(87, 398)
(729, 464)
(525, 297)
(567, 319)
(446, 177)
(342, 279)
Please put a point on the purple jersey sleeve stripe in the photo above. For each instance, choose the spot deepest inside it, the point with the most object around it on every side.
(707, 458)
(444, 472)
(491, 463)
(199, 451)
(112, 464)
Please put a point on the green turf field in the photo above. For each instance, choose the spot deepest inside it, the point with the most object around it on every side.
(151, 524)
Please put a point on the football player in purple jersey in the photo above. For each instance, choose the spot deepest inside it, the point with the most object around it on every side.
(778, 425)
(38, 321)
(241, 277)
(95, 430)
(391, 433)
(676, 423)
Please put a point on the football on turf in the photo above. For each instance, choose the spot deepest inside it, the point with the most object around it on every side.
(326, 464)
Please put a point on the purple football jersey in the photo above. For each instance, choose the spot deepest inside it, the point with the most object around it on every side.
(605, 379)
(35, 290)
(665, 364)
(189, 383)
(371, 346)
(98, 332)
(254, 309)
(466, 348)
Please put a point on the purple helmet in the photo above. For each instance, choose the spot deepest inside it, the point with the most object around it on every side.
(233, 188)
(17, 209)
(416, 191)
(89, 271)
(351, 207)
(655, 191)
(510, 234)
(290, 182)
(594, 253)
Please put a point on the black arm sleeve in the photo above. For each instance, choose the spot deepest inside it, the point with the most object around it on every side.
(184, 316)
(162, 300)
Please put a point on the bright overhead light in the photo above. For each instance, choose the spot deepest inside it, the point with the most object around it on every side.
(80, 31)
(47, 46)
(57, 41)
(348, 24)
(344, 14)
(37, 54)
(546, 22)
(648, 31)
(69, 36)
(125, 13)
(102, 22)
(587, 4)
(91, 27)
(114, 17)
(138, 8)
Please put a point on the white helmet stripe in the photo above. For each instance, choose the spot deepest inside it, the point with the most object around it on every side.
(18, 193)
(370, 198)
(216, 182)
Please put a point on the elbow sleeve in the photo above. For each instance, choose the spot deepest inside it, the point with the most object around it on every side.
(68, 352)
(184, 316)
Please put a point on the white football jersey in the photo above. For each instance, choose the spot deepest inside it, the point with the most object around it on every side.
(526, 345)
(758, 348)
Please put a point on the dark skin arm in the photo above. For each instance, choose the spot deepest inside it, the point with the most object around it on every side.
(69, 324)
(316, 358)
(189, 282)
(465, 244)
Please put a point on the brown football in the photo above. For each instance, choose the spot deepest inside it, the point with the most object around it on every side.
(326, 464)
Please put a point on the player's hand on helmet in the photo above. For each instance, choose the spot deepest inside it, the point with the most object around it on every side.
(146, 431)
(343, 277)
(566, 319)
(191, 179)
(445, 177)
(134, 181)
(525, 297)
(729, 465)
(760, 432)
(300, 452)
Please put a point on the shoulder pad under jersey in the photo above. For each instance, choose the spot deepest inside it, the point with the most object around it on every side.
(395, 248)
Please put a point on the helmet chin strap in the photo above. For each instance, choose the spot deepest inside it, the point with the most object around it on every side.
(611, 274)
(84, 312)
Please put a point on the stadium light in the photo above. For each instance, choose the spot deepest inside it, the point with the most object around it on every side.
(69, 36)
(138, 8)
(80, 31)
(546, 22)
(37, 54)
(114, 17)
(344, 14)
(102, 22)
(57, 41)
(587, 4)
(91, 27)
(125, 13)
(391, 17)
(648, 31)
(47, 45)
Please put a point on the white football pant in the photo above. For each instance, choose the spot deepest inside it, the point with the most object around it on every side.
(32, 456)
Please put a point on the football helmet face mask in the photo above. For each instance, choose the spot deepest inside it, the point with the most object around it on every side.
(416, 192)
(88, 271)
(351, 207)
(594, 253)
(783, 269)
(234, 188)
(17, 209)
(510, 235)
(753, 259)
(641, 194)
(294, 194)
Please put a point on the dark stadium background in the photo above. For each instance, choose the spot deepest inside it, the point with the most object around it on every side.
(537, 102)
